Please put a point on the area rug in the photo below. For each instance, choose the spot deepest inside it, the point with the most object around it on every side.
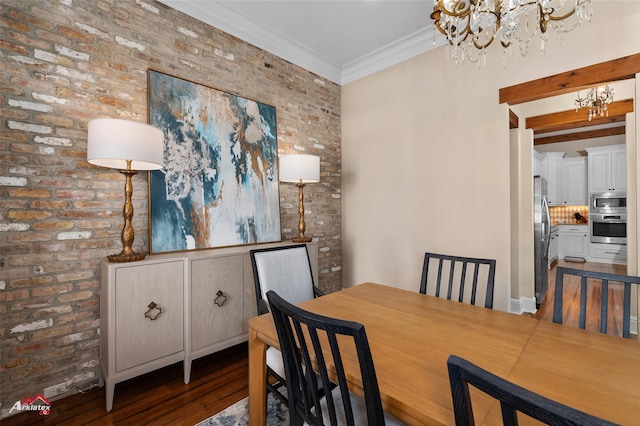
(238, 414)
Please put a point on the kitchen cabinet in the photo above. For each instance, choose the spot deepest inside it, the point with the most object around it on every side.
(538, 164)
(607, 168)
(574, 241)
(554, 174)
(554, 242)
(608, 253)
(175, 307)
(575, 181)
(566, 178)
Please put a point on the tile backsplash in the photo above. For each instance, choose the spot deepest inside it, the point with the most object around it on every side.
(566, 214)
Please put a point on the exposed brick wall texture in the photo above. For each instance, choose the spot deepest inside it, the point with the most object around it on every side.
(65, 62)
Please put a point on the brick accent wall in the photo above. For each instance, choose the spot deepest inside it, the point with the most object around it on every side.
(65, 62)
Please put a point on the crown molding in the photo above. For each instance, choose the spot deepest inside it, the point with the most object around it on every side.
(221, 17)
(412, 45)
(225, 19)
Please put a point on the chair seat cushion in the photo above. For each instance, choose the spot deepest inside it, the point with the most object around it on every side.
(275, 362)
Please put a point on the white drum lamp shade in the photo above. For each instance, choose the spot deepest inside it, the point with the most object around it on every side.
(296, 168)
(111, 142)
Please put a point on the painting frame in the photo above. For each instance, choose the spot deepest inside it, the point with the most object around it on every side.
(219, 184)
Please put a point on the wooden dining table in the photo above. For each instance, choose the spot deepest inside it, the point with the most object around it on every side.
(411, 335)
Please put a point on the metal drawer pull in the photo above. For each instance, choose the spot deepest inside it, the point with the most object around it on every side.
(154, 311)
(220, 299)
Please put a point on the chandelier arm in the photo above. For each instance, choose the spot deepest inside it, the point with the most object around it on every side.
(436, 14)
(565, 16)
(482, 46)
(496, 13)
(460, 8)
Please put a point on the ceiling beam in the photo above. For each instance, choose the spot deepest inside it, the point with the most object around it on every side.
(571, 119)
(590, 134)
(514, 120)
(571, 81)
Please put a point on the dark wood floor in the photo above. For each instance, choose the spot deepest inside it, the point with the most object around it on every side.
(157, 398)
(571, 298)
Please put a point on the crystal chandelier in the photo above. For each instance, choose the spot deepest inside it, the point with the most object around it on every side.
(596, 101)
(470, 26)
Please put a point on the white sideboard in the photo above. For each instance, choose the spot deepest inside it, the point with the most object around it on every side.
(175, 307)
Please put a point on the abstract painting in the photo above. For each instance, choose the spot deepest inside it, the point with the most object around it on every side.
(219, 184)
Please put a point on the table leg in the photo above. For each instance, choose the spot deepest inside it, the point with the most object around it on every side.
(257, 380)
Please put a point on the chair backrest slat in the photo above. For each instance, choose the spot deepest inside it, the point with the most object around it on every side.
(591, 285)
(459, 279)
(513, 398)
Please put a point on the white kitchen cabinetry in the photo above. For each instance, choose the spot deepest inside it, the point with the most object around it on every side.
(554, 174)
(175, 307)
(141, 319)
(554, 242)
(574, 241)
(538, 164)
(608, 253)
(575, 181)
(607, 168)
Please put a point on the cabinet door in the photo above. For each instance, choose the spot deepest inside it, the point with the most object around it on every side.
(575, 181)
(210, 322)
(599, 171)
(619, 170)
(574, 243)
(138, 338)
(555, 180)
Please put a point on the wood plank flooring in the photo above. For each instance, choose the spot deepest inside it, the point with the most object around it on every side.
(571, 298)
(157, 398)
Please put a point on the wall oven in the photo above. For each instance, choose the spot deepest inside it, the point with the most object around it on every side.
(608, 218)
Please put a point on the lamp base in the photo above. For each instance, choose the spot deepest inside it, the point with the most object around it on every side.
(126, 257)
(302, 240)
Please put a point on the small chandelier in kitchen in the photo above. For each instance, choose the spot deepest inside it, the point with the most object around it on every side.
(596, 101)
(470, 26)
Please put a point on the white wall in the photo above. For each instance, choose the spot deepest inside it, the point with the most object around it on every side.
(426, 156)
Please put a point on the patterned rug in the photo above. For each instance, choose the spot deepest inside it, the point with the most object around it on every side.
(238, 414)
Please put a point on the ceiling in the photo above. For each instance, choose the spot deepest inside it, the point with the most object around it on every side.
(340, 40)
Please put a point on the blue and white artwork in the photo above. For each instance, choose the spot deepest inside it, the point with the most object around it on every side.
(219, 184)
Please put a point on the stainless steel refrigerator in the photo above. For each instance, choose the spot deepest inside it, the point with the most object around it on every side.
(541, 237)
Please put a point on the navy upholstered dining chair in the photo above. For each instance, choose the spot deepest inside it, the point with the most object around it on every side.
(513, 398)
(286, 270)
(464, 279)
(308, 339)
(596, 291)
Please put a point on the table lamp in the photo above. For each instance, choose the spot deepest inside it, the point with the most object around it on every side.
(128, 146)
(300, 169)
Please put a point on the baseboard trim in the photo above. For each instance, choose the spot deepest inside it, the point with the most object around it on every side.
(521, 305)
